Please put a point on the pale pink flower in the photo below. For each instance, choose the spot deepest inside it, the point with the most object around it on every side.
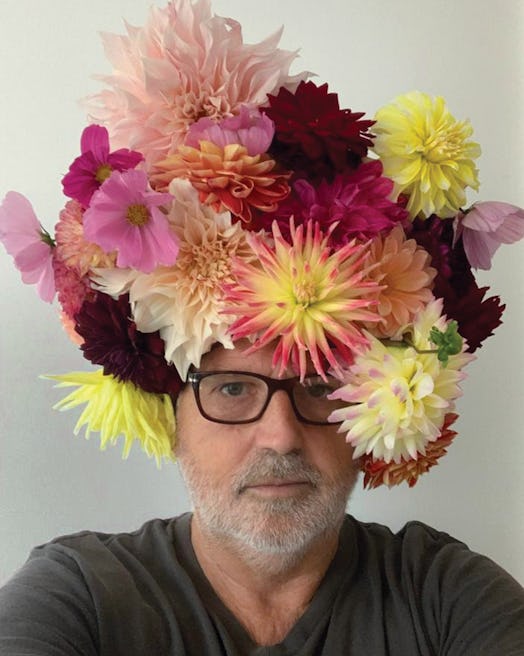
(185, 63)
(30, 245)
(485, 227)
(126, 216)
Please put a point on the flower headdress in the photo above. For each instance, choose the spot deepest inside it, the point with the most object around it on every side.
(217, 197)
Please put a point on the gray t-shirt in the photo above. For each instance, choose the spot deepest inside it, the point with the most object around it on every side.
(417, 592)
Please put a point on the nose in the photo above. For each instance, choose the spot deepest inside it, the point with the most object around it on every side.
(278, 428)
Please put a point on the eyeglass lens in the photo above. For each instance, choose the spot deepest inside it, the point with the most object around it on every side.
(240, 397)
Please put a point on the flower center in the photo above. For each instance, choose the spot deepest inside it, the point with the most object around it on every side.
(305, 293)
(103, 172)
(138, 215)
(443, 145)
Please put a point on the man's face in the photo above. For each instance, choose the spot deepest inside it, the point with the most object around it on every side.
(275, 484)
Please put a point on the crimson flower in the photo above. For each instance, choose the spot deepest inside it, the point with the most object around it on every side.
(111, 339)
(357, 200)
(455, 283)
(95, 164)
(313, 136)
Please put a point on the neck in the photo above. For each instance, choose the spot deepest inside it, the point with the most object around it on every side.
(266, 592)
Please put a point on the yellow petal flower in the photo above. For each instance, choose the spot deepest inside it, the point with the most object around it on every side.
(115, 408)
(427, 153)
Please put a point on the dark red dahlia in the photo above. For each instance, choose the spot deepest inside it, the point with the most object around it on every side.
(455, 283)
(313, 136)
(111, 339)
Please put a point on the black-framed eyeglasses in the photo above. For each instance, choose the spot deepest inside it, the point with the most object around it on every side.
(241, 397)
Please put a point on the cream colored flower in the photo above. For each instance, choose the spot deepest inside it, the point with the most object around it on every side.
(397, 396)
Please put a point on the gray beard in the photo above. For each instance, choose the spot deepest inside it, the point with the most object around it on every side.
(269, 527)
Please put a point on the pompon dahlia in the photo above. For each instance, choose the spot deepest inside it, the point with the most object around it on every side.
(304, 295)
(398, 396)
(358, 201)
(115, 408)
(404, 275)
(427, 153)
(72, 288)
(111, 339)
(185, 63)
(72, 248)
(379, 472)
(313, 136)
(185, 302)
(226, 178)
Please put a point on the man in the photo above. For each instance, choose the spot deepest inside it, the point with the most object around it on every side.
(267, 563)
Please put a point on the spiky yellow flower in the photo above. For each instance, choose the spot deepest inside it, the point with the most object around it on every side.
(398, 396)
(115, 408)
(306, 297)
(427, 153)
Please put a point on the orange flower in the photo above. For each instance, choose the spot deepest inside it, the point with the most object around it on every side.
(403, 271)
(379, 472)
(226, 178)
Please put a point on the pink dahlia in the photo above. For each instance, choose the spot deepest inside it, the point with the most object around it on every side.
(30, 245)
(250, 128)
(304, 295)
(127, 217)
(95, 164)
(358, 201)
(485, 227)
(72, 248)
(313, 135)
(185, 63)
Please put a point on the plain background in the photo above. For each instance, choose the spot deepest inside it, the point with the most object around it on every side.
(469, 51)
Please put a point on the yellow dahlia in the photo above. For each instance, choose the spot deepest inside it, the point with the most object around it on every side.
(227, 178)
(304, 295)
(115, 408)
(403, 271)
(427, 153)
(398, 396)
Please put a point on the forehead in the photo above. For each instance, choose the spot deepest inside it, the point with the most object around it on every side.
(220, 358)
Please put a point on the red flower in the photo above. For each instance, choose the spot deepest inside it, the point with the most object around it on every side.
(111, 339)
(358, 201)
(464, 301)
(313, 136)
(379, 472)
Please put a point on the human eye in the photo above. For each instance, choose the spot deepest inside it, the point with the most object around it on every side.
(317, 388)
(233, 386)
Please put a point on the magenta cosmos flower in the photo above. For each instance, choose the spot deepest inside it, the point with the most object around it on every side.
(125, 216)
(30, 245)
(95, 164)
(485, 227)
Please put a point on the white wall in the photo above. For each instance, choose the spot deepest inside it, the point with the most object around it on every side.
(469, 51)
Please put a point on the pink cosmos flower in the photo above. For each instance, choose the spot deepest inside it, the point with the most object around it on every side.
(125, 215)
(485, 227)
(250, 128)
(30, 245)
(95, 164)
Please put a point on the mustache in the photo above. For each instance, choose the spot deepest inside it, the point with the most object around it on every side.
(269, 465)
